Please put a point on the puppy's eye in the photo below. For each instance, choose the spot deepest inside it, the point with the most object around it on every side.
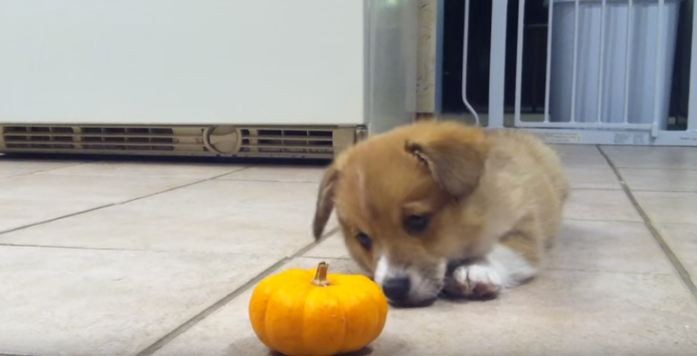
(415, 224)
(364, 240)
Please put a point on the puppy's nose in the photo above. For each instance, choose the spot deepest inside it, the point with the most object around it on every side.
(396, 289)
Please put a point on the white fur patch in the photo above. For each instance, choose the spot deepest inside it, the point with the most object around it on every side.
(476, 275)
(381, 270)
(422, 288)
(478, 272)
(512, 267)
(502, 267)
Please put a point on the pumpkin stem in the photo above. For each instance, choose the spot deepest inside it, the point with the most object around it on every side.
(321, 275)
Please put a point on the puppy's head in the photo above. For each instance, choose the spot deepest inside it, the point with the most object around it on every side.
(399, 200)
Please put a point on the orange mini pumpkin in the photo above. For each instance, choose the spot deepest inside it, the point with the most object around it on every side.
(307, 312)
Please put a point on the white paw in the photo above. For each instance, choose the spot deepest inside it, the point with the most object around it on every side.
(477, 280)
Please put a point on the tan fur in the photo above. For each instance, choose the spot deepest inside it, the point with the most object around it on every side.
(477, 187)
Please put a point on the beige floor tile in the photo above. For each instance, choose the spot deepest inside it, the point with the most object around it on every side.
(580, 155)
(86, 302)
(669, 207)
(34, 198)
(332, 247)
(309, 173)
(667, 180)
(652, 157)
(148, 169)
(213, 216)
(612, 205)
(10, 166)
(562, 312)
(609, 246)
(682, 239)
(592, 177)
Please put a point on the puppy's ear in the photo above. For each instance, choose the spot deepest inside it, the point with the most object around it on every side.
(455, 159)
(325, 200)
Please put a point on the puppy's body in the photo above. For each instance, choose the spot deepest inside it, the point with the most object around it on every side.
(441, 206)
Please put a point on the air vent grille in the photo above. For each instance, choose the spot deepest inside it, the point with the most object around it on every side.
(288, 141)
(39, 137)
(128, 138)
(234, 141)
(101, 139)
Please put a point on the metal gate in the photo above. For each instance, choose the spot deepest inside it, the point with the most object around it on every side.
(608, 71)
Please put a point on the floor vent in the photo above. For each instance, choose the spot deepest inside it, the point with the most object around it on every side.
(38, 137)
(102, 139)
(288, 141)
(227, 140)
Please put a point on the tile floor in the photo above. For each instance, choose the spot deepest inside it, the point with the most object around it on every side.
(159, 258)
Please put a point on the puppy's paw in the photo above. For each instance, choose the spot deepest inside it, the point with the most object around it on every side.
(477, 281)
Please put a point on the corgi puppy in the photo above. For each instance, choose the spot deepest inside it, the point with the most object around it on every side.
(440, 207)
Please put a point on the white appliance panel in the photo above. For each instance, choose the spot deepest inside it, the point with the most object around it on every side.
(182, 61)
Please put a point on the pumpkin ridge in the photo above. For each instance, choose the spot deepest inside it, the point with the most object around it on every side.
(272, 332)
(367, 304)
(264, 291)
(332, 309)
(348, 338)
(381, 309)
(268, 326)
(344, 317)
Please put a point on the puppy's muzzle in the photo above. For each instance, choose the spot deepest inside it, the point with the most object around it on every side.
(397, 289)
(398, 292)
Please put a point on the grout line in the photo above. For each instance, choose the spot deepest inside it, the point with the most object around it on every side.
(674, 260)
(680, 224)
(77, 248)
(56, 218)
(604, 220)
(58, 168)
(605, 271)
(333, 258)
(268, 180)
(222, 177)
(694, 191)
(69, 165)
(100, 207)
(657, 168)
(179, 187)
(309, 247)
(617, 189)
(159, 343)
(121, 249)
